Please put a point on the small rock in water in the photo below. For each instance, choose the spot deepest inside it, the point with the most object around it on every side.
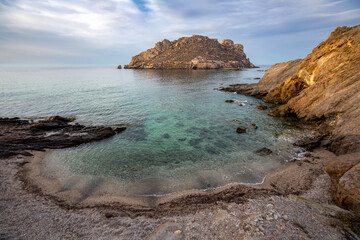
(229, 101)
(262, 107)
(307, 155)
(241, 104)
(253, 125)
(166, 135)
(263, 151)
(182, 139)
(241, 129)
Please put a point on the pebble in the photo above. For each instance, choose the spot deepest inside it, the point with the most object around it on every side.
(177, 232)
(285, 217)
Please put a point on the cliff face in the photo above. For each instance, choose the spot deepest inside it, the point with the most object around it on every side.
(327, 87)
(196, 52)
(324, 87)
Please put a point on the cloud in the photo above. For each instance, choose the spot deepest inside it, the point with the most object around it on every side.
(13, 50)
(121, 26)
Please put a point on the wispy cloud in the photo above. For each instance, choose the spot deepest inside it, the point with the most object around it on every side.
(128, 26)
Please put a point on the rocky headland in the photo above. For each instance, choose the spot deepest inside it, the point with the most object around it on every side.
(323, 88)
(196, 52)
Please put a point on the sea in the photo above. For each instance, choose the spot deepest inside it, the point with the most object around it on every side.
(181, 133)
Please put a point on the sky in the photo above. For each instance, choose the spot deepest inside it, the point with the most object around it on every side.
(110, 32)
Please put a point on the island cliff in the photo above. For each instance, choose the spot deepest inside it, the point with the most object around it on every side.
(323, 88)
(196, 52)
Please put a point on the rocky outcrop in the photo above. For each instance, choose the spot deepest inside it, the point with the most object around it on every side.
(323, 88)
(327, 87)
(344, 172)
(196, 52)
(275, 75)
(17, 135)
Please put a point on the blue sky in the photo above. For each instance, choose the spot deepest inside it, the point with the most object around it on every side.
(110, 32)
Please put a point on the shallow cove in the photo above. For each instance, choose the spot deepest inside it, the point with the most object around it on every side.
(183, 135)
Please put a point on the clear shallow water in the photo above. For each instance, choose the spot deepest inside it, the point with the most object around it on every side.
(183, 136)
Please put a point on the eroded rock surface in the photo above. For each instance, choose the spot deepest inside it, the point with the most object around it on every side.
(324, 88)
(344, 172)
(196, 52)
(18, 135)
(274, 76)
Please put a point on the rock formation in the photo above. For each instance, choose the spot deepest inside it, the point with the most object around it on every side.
(17, 136)
(324, 88)
(196, 52)
(277, 74)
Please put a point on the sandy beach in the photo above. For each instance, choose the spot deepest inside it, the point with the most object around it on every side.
(286, 204)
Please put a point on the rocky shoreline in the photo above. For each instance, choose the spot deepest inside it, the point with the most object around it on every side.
(294, 202)
(323, 88)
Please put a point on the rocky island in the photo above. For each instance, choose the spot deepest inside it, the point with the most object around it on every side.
(196, 52)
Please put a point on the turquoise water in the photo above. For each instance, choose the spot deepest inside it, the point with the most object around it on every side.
(183, 134)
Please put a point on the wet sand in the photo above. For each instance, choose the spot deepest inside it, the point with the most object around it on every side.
(292, 178)
(292, 203)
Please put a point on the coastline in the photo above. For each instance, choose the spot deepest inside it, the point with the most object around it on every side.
(302, 212)
(281, 182)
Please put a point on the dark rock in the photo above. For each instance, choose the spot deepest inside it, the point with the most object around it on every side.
(17, 136)
(195, 142)
(310, 142)
(16, 120)
(263, 151)
(262, 107)
(119, 67)
(166, 135)
(241, 129)
(119, 129)
(229, 101)
(241, 104)
(182, 139)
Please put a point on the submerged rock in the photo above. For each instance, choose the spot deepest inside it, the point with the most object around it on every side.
(262, 107)
(229, 101)
(241, 129)
(263, 151)
(196, 52)
(253, 125)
